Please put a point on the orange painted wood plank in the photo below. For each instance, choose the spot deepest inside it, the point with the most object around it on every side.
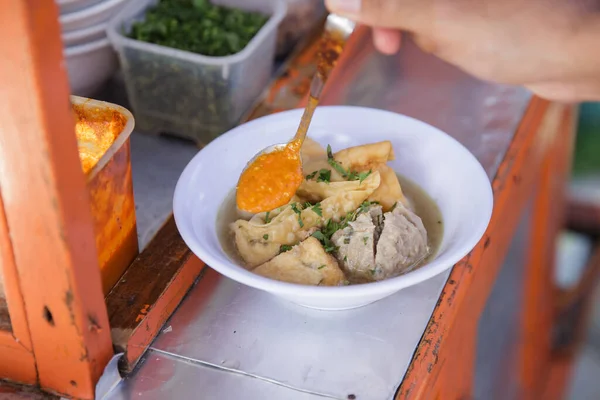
(16, 362)
(470, 282)
(14, 297)
(538, 315)
(16, 356)
(47, 206)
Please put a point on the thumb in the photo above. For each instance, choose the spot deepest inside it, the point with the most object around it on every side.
(395, 14)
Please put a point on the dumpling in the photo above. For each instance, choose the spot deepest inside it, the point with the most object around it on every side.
(314, 191)
(306, 263)
(264, 217)
(258, 242)
(357, 159)
(312, 150)
(390, 191)
(365, 157)
(369, 157)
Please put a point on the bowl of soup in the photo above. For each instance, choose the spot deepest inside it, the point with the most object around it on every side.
(387, 202)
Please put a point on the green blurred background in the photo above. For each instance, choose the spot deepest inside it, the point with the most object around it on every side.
(587, 147)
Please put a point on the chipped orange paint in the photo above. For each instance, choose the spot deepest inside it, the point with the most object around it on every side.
(142, 313)
(47, 207)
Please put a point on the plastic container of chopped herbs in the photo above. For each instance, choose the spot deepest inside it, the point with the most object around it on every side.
(192, 68)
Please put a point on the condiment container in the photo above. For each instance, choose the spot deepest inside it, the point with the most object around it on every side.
(103, 131)
(192, 95)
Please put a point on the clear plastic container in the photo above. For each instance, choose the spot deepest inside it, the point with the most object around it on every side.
(191, 95)
(301, 17)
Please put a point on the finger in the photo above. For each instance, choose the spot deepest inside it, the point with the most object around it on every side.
(397, 14)
(387, 40)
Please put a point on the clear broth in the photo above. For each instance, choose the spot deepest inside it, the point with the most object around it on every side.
(422, 204)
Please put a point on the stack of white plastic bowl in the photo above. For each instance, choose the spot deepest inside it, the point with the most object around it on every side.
(91, 60)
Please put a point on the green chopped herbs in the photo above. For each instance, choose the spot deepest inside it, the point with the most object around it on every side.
(345, 258)
(362, 176)
(347, 240)
(345, 173)
(311, 176)
(319, 235)
(299, 212)
(284, 248)
(267, 219)
(334, 164)
(317, 209)
(328, 245)
(198, 26)
(173, 95)
(324, 176)
(365, 240)
(322, 266)
(266, 237)
(373, 271)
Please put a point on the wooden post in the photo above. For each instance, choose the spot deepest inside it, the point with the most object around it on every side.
(46, 207)
(538, 317)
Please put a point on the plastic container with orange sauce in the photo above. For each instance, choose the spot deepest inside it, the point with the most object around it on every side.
(103, 131)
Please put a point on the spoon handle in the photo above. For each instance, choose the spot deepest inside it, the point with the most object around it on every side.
(337, 31)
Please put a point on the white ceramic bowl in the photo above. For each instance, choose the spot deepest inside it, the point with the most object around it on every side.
(94, 15)
(69, 6)
(447, 171)
(85, 35)
(90, 65)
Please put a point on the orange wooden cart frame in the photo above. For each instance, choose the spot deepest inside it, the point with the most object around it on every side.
(60, 336)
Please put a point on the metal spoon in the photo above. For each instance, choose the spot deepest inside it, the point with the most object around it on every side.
(337, 31)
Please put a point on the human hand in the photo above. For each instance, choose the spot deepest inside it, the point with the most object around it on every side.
(549, 46)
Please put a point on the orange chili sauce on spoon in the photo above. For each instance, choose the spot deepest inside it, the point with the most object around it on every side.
(271, 180)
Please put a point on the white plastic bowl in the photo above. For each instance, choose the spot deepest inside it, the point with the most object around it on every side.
(447, 171)
(90, 65)
(69, 6)
(90, 16)
(85, 35)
